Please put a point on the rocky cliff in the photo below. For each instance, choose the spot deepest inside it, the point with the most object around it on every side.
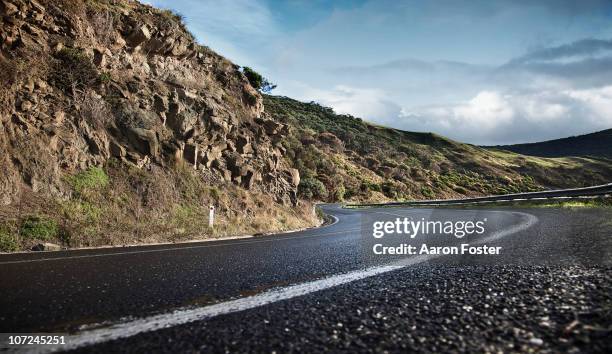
(87, 81)
(114, 121)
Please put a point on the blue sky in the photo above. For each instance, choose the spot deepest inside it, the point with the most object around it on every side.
(483, 72)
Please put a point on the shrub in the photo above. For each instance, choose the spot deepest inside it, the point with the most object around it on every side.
(38, 228)
(73, 70)
(257, 81)
(427, 192)
(367, 185)
(389, 190)
(105, 77)
(214, 193)
(93, 109)
(8, 241)
(312, 188)
(93, 178)
(339, 193)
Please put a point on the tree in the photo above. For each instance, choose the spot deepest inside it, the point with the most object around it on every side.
(257, 81)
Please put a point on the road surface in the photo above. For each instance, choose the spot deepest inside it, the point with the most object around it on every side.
(321, 289)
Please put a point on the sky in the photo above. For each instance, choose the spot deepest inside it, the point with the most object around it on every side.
(484, 72)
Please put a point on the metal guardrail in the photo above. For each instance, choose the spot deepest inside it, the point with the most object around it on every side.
(604, 189)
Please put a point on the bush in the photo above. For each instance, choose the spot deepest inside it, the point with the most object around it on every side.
(427, 192)
(339, 193)
(312, 188)
(104, 78)
(388, 190)
(74, 70)
(93, 109)
(38, 228)
(369, 186)
(94, 178)
(8, 242)
(257, 81)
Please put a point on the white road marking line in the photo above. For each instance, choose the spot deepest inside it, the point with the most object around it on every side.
(174, 248)
(184, 316)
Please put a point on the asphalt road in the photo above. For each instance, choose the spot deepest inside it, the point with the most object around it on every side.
(548, 289)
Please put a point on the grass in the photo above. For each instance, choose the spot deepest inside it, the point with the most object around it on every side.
(576, 203)
(599, 202)
(92, 179)
(8, 240)
(119, 204)
(39, 228)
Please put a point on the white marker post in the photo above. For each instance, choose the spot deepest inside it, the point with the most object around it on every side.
(211, 216)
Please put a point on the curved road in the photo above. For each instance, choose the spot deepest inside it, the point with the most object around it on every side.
(323, 289)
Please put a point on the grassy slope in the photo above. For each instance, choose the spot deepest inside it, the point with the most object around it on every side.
(342, 157)
(597, 144)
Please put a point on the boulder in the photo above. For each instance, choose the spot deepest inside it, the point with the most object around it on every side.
(138, 36)
(160, 103)
(273, 128)
(251, 178)
(213, 153)
(244, 145)
(237, 166)
(47, 246)
(117, 150)
(180, 119)
(143, 140)
(219, 124)
(26, 105)
(295, 177)
(37, 7)
(7, 8)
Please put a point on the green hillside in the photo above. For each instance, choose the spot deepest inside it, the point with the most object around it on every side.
(341, 157)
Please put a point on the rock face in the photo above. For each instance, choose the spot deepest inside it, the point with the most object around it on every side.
(81, 85)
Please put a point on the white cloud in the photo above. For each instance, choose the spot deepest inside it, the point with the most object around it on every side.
(597, 101)
(496, 118)
(487, 110)
(369, 103)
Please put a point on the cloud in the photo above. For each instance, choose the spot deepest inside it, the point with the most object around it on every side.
(416, 65)
(359, 102)
(597, 101)
(581, 48)
(485, 111)
(492, 118)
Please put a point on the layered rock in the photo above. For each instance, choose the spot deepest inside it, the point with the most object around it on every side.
(83, 84)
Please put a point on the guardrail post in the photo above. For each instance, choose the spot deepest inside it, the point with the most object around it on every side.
(211, 216)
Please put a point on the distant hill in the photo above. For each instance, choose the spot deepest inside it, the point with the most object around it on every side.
(343, 157)
(597, 144)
